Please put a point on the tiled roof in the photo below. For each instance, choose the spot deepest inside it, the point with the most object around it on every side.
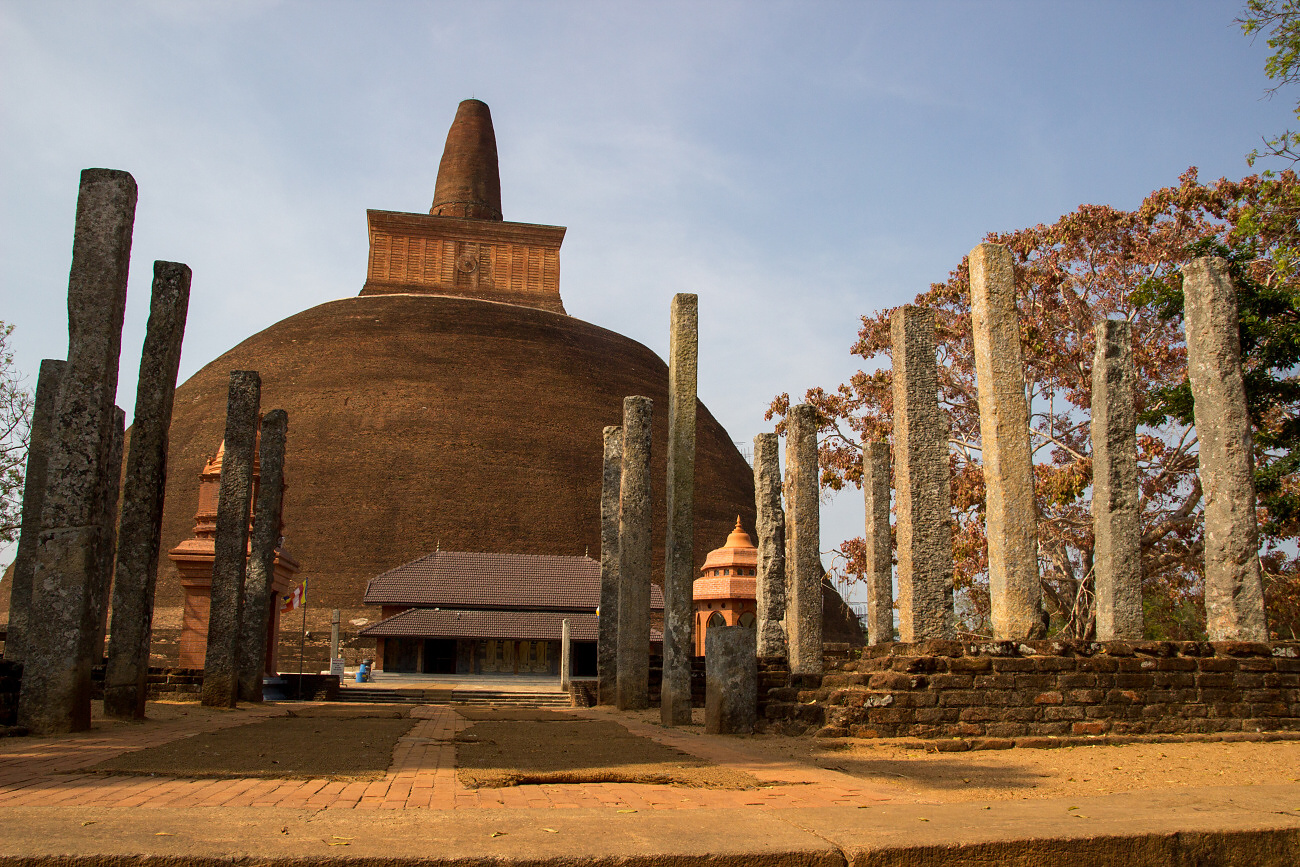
(725, 587)
(461, 579)
(514, 625)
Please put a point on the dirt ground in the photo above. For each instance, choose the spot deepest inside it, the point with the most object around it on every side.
(506, 747)
(337, 742)
(1018, 774)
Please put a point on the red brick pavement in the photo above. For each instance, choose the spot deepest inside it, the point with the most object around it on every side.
(46, 772)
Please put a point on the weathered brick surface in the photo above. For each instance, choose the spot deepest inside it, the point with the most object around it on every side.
(1020, 692)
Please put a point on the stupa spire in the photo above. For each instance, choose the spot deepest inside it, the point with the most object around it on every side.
(469, 182)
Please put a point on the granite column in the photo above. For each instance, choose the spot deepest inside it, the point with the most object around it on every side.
(140, 528)
(102, 585)
(803, 618)
(1234, 595)
(1010, 512)
(924, 497)
(221, 666)
(679, 567)
(56, 674)
(634, 521)
(607, 625)
(770, 529)
(879, 551)
(256, 611)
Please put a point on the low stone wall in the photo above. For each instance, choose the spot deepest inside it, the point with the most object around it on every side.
(1010, 690)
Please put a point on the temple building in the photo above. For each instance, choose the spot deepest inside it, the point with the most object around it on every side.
(724, 593)
(453, 404)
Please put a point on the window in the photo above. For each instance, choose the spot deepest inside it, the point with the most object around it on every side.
(747, 619)
(716, 620)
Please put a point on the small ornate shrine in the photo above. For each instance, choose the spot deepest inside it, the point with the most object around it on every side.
(725, 591)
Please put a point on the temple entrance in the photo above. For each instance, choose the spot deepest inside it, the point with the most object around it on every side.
(440, 656)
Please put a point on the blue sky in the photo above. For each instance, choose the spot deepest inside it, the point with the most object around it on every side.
(795, 164)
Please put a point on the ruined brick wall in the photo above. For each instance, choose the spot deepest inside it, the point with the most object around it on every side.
(1005, 690)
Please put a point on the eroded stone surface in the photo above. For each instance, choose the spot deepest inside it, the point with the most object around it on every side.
(1010, 514)
(679, 570)
(140, 527)
(56, 675)
(38, 448)
(607, 636)
(924, 500)
(633, 676)
(803, 610)
(221, 665)
(256, 611)
(102, 582)
(879, 550)
(730, 680)
(1234, 596)
(1117, 530)
(770, 596)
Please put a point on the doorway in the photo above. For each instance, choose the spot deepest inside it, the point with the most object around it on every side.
(440, 656)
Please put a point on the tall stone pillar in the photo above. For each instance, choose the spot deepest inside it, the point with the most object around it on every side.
(632, 684)
(56, 671)
(256, 611)
(221, 665)
(38, 450)
(607, 636)
(1117, 531)
(566, 658)
(1234, 595)
(803, 610)
(1010, 513)
(924, 498)
(140, 529)
(679, 568)
(770, 596)
(880, 563)
(102, 585)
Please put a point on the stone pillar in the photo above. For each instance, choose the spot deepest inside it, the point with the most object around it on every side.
(607, 636)
(336, 617)
(256, 610)
(1010, 513)
(880, 567)
(632, 681)
(730, 681)
(1234, 596)
(924, 506)
(140, 529)
(102, 585)
(770, 597)
(679, 566)
(38, 449)
(1116, 520)
(803, 608)
(56, 673)
(566, 658)
(221, 664)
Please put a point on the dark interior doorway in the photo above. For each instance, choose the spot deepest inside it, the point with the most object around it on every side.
(584, 659)
(440, 656)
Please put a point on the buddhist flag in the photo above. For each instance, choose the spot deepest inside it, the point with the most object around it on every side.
(295, 599)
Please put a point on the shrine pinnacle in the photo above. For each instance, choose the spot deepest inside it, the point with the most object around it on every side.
(469, 181)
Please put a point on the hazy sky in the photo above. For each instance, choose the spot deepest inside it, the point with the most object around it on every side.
(795, 164)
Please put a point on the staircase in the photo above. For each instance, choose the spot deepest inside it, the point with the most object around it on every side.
(466, 697)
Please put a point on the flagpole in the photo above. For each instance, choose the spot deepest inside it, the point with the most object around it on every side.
(302, 642)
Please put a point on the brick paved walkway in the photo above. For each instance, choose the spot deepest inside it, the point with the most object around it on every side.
(38, 772)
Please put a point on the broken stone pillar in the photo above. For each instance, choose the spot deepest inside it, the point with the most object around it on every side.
(1010, 514)
(1116, 520)
(56, 667)
(607, 636)
(769, 588)
(256, 612)
(924, 499)
(221, 665)
(566, 660)
(102, 585)
(38, 449)
(803, 609)
(679, 566)
(632, 682)
(1234, 596)
(880, 568)
(730, 680)
(140, 528)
